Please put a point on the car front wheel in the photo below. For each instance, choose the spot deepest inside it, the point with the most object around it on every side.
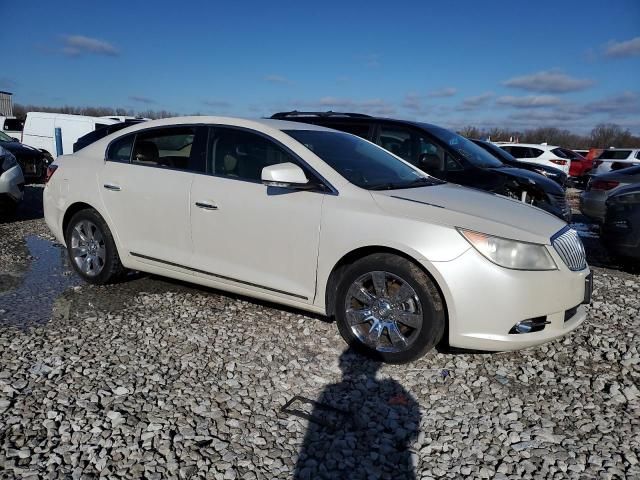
(91, 248)
(389, 308)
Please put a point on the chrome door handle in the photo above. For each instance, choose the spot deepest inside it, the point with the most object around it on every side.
(109, 186)
(206, 206)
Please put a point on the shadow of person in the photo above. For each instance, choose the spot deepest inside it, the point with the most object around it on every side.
(360, 428)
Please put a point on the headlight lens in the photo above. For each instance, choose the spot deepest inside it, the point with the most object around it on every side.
(7, 160)
(510, 253)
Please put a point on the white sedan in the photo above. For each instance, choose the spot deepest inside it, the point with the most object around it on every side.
(323, 221)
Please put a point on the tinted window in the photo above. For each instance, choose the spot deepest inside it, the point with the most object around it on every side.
(465, 148)
(615, 154)
(558, 152)
(399, 142)
(518, 152)
(361, 130)
(360, 162)
(165, 147)
(99, 126)
(242, 155)
(120, 150)
(535, 152)
(13, 124)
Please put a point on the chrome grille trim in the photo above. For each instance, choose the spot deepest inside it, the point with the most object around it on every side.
(570, 248)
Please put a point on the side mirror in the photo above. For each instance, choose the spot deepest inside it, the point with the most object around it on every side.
(285, 175)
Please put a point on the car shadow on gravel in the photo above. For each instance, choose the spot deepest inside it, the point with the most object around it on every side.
(361, 427)
(29, 209)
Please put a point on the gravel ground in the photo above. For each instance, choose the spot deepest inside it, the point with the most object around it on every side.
(158, 379)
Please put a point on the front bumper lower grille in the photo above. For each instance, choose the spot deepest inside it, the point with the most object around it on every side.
(570, 248)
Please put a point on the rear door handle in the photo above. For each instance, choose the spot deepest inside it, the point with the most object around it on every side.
(109, 186)
(206, 206)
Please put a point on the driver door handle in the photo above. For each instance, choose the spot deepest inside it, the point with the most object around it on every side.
(206, 206)
(110, 186)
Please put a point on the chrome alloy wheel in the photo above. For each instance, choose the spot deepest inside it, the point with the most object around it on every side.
(88, 248)
(383, 311)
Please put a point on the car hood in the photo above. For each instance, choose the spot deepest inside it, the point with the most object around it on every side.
(457, 206)
(527, 177)
(18, 149)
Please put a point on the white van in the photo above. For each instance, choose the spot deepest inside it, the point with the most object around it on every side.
(39, 130)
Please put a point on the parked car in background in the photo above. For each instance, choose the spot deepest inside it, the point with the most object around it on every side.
(505, 157)
(39, 129)
(11, 182)
(444, 155)
(32, 161)
(615, 159)
(12, 126)
(601, 187)
(538, 153)
(621, 229)
(579, 167)
(579, 151)
(91, 137)
(323, 221)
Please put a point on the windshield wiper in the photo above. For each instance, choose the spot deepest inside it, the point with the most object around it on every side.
(418, 182)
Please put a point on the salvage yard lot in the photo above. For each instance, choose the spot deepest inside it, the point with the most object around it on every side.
(161, 379)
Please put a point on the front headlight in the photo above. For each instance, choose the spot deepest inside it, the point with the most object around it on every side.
(510, 253)
(7, 160)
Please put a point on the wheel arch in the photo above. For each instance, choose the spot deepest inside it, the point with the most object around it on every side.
(361, 252)
(71, 211)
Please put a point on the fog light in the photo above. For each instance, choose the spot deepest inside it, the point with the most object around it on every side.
(530, 325)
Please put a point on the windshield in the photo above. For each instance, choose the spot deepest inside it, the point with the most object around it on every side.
(496, 151)
(465, 148)
(614, 154)
(5, 138)
(361, 162)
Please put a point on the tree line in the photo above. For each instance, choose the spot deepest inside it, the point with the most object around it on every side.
(604, 135)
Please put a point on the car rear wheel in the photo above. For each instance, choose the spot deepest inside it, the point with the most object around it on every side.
(91, 248)
(387, 307)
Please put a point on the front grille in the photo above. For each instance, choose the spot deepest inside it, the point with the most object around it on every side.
(569, 246)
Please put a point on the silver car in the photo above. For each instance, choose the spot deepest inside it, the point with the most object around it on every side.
(11, 181)
(599, 188)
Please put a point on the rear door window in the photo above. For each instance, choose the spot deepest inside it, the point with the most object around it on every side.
(169, 147)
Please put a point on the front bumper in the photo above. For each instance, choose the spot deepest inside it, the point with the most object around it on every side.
(485, 301)
(12, 184)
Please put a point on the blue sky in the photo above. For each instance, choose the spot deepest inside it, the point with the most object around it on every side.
(568, 64)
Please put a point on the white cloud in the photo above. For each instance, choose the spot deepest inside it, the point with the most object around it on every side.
(141, 99)
(549, 82)
(471, 103)
(530, 101)
(628, 48)
(443, 92)
(76, 45)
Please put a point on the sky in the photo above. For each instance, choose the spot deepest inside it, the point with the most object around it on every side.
(512, 64)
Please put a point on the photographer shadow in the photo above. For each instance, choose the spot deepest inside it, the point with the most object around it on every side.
(361, 427)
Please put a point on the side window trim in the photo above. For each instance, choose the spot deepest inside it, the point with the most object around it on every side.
(308, 169)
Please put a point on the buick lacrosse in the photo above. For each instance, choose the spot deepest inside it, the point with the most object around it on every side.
(323, 221)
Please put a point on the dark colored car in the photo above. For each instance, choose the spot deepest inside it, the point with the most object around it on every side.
(102, 132)
(446, 156)
(33, 162)
(505, 157)
(621, 228)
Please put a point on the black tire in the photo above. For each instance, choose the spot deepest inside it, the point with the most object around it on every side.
(112, 269)
(432, 328)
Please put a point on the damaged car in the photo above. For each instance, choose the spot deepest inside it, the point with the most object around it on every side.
(32, 161)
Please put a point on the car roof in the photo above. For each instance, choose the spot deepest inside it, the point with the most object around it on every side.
(535, 145)
(232, 121)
